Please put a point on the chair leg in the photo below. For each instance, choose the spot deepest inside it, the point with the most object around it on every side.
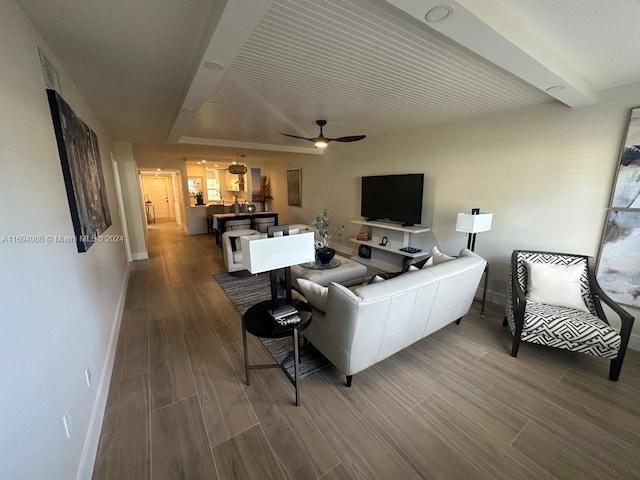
(504, 322)
(349, 378)
(458, 321)
(614, 369)
(516, 345)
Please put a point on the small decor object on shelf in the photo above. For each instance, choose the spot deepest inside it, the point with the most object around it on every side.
(364, 236)
(199, 198)
(251, 208)
(324, 231)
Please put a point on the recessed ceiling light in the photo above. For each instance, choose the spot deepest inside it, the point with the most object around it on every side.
(204, 161)
(439, 13)
(198, 163)
(215, 66)
(554, 88)
(215, 164)
(158, 169)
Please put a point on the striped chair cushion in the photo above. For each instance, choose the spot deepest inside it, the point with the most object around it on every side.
(570, 329)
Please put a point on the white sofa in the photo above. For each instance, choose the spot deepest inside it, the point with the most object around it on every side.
(364, 325)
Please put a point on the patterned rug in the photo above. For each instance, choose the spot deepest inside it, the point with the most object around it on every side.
(245, 292)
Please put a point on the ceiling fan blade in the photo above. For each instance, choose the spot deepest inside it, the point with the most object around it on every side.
(296, 136)
(352, 138)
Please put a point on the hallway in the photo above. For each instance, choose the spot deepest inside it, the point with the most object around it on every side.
(454, 405)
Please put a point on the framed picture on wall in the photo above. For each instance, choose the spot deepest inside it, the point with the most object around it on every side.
(620, 257)
(82, 172)
(626, 189)
(294, 187)
(195, 185)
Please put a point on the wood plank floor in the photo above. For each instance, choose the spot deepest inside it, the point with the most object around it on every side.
(453, 406)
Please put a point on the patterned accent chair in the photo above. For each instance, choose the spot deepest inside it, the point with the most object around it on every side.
(563, 327)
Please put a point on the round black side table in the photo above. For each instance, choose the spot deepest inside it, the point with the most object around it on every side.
(258, 322)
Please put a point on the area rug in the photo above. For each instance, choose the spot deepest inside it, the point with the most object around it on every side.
(245, 292)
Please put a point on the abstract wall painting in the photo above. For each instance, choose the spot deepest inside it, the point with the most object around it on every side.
(619, 262)
(294, 187)
(619, 266)
(82, 172)
(626, 190)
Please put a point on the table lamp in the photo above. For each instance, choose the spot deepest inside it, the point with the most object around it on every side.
(472, 223)
(274, 250)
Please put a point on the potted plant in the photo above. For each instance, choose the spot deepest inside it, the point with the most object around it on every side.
(199, 198)
(324, 231)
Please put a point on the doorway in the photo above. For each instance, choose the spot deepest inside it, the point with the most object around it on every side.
(158, 190)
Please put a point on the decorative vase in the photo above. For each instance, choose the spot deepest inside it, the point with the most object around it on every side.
(325, 254)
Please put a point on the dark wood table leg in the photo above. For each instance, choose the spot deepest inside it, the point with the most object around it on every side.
(246, 354)
(296, 359)
(484, 293)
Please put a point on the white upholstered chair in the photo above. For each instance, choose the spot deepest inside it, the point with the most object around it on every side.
(232, 249)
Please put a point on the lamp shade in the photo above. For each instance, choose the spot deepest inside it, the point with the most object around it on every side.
(469, 223)
(263, 254)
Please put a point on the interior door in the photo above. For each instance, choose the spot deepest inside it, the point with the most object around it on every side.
(157, 190)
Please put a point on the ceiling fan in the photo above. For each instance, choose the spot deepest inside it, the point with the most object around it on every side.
(321, 141)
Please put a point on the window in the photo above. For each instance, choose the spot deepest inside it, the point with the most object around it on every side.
(213, 189)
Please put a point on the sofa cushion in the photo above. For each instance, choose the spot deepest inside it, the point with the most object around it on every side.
(557, 285)
(315, 294)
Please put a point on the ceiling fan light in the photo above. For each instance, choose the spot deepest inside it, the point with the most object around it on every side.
(321, 144)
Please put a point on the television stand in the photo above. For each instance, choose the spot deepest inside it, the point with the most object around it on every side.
(389, 257)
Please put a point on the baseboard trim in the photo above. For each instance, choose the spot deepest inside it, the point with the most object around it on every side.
(140, 256)
(90, 449)
(634, 342)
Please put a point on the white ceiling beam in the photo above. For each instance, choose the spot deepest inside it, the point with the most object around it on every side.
(239, 19)
(251, 146)
(484, 27)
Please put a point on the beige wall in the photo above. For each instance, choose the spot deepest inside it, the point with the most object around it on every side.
(60, 308)
(544, 171)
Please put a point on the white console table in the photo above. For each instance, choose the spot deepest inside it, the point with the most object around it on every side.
(389, 258)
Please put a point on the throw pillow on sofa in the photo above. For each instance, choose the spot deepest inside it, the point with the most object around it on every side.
(315, 294)
(434, 257)
(439, 257)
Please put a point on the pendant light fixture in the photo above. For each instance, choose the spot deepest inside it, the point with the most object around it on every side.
(236, 167)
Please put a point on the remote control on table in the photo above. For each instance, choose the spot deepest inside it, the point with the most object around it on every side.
(410, 250)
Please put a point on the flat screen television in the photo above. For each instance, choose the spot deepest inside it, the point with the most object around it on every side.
(393, 197)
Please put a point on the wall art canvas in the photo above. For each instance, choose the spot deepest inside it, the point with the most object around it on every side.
(294, 187)
(626, 190)
(619, 266)
(82, 172)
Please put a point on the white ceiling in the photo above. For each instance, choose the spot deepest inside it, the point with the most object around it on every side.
(369, 67)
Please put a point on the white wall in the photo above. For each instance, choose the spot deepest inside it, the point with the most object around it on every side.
(59, 307)
(544, 171)
(136, 219)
